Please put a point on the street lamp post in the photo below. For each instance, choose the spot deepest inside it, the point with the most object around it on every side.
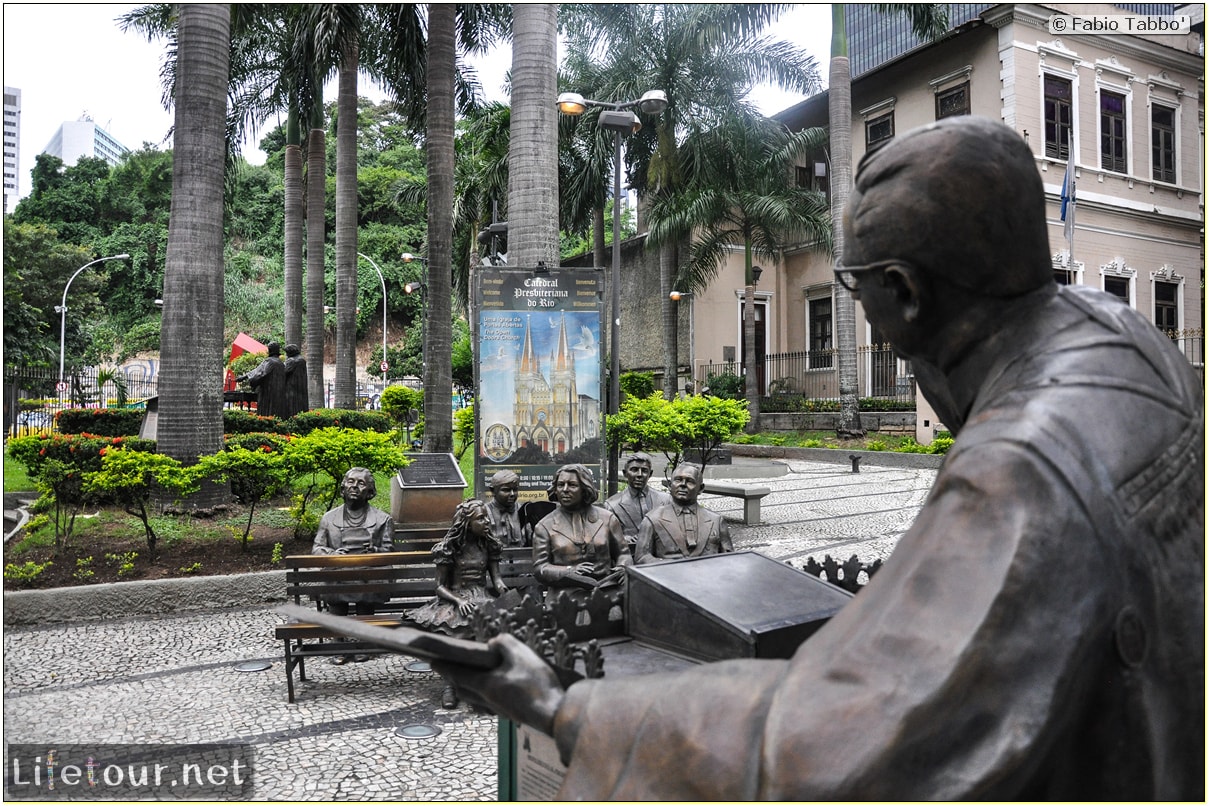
(62, 311)
(422, 288)
(619, 118)
(382, 278)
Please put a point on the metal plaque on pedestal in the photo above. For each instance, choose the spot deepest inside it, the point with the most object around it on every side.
(722, 606)
(427, 491)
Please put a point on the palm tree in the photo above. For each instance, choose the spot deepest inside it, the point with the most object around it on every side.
(705, 57)
(928, 21)
(741, 192)
(533, 157)
(190, 386)
(316, 240)
(438, 380)
(400, 51)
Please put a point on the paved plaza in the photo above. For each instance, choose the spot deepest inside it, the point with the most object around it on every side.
(174, 679)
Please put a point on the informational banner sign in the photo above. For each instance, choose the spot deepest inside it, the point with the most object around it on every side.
(539, 371)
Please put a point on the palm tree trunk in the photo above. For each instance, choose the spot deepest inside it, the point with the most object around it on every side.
(438, 351)
(839, 112)
(293, 231)
(598, 237)
(751, 385)
(316, 238)
(533, 156)
(671, 330)
(190, 386)
(346, 232)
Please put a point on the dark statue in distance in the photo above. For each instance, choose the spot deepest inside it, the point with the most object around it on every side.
(1038, 632)
(682, 528)
(295, 382)
(268, 380)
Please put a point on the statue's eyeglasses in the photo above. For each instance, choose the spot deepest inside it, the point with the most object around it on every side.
(850, 276)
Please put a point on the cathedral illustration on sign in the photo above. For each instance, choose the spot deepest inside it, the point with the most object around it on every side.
(548, 412)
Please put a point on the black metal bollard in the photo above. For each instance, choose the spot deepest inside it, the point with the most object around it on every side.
(856, 462)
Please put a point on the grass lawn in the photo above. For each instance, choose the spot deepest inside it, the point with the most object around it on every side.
(15, 478)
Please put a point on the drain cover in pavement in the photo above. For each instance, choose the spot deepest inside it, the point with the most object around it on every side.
(418, 731)
(418, 666)
(252, 666)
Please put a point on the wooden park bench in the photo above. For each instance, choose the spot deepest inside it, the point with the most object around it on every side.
(409, 578)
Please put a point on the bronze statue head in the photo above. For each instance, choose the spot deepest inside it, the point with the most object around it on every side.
(582, 481)
(961, 200)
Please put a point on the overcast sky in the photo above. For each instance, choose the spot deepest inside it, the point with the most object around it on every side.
(72, 60)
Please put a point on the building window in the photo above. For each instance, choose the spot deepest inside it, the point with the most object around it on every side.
(1166, 314)
(879, 129)
(1064, 277)
(1057, 117)
(955, 101)
(1162, 143)
(1118, 287)
(1112, 132)
(820, 343)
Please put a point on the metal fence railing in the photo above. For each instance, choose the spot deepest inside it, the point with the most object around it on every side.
(1192, 344)
(814, 374)
(32, 395)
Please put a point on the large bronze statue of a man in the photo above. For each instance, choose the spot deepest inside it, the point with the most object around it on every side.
(1038, 633)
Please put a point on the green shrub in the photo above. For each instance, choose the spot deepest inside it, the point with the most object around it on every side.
(254, 475)
(727, 385)
(190, 569)
(26, 572)
(332, 452)
(132, 477)
(100, 422)
(697, 422)
(277, 555)
(637, 384)
(244, 363)
(256, 441)
(124, 561)
(83, 571)
(238, 421)
(463, 429)
(305, 422)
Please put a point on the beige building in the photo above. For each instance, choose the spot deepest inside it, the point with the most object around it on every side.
(1125, 112)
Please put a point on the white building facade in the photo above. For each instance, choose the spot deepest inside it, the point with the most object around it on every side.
(84, 138)
(12, 147)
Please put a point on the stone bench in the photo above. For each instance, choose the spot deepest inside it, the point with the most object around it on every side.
(751, 497)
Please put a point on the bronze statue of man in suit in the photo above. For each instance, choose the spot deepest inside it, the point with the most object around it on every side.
(633, 503)
(682, 528)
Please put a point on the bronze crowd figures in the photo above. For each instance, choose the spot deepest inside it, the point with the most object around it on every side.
(468, 574)
(682, 528)
(1038, 632)
(633, 503)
